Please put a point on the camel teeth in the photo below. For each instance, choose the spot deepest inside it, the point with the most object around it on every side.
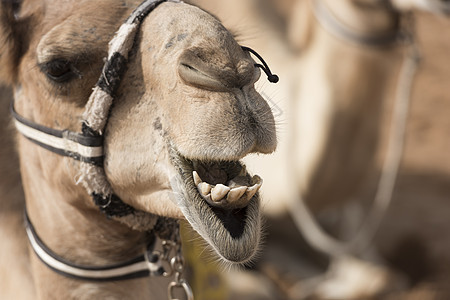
(211, 202)
(232, 184)
(204, 188)
(197, 179)
(219, 192)
(208, 198)
(236, 193)
(251, 191)
(257, 180)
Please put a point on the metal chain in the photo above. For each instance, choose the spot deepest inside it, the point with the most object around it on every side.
(173, 257)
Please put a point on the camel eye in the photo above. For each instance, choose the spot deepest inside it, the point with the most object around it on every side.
(59, 70)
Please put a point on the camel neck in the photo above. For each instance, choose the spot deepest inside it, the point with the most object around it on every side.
(64, 215)
(147, 264)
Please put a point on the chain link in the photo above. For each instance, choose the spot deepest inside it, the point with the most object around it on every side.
(172, 257)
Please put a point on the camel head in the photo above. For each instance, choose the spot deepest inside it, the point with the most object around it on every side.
(184, 115)
(370, 18)
(201, 114)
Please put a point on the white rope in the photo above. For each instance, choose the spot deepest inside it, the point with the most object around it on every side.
(56, 264)
(60, 143)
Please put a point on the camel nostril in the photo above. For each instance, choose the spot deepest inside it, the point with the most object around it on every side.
(194, 70)
(193, 76)
(204, 70)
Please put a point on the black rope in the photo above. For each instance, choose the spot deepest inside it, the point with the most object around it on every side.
(270, 76)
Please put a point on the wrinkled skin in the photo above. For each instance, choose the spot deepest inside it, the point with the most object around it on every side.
(186, 103)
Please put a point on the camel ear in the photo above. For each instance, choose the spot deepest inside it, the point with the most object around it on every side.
(13, 40)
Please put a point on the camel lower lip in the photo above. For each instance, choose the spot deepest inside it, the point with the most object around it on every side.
(233, 233)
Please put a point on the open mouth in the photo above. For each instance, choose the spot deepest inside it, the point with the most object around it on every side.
(221, 202)
(225, 184)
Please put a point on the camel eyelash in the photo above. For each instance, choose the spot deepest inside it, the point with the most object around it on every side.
(59, 70)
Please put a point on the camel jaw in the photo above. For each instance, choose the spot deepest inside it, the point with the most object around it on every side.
(232, 228)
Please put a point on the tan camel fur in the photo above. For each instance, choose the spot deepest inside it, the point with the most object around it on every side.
(186, 103)
(14, 250)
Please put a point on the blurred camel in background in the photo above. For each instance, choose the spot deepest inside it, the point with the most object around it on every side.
(338, 62)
